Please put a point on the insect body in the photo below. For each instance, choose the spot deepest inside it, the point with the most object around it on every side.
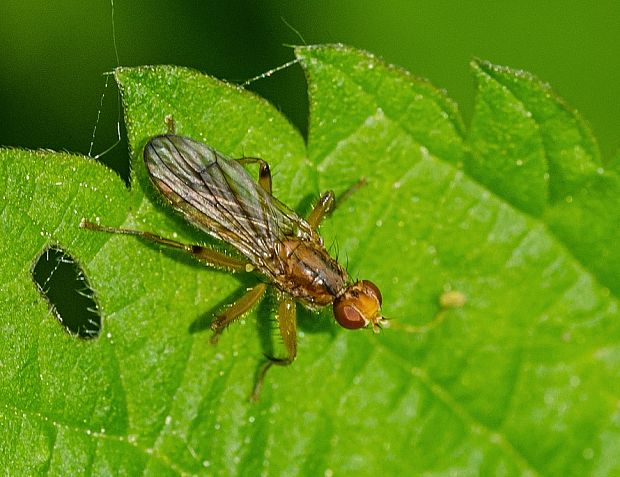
(217, 195)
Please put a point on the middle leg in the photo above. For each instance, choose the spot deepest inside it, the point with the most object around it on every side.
(237, 309)
(264, 173)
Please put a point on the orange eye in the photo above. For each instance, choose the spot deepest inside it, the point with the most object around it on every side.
(358, 306)
(348, 316)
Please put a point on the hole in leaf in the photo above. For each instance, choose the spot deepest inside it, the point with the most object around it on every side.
(63, 284)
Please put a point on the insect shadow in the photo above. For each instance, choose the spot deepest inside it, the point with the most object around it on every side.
(266, 324)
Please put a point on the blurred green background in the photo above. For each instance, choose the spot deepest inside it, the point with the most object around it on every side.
(54, 54)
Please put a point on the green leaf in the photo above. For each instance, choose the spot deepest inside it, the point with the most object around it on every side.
(521, 379)
(535, 152)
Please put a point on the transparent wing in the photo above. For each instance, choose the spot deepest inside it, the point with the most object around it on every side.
(217, 195)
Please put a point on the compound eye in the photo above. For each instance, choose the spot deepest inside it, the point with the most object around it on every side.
(348, 316)
(373, 289)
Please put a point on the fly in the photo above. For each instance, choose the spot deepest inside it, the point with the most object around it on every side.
(218, 196)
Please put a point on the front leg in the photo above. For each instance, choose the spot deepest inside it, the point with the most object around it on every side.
(324, 205)
(287, 322)
(327, 203)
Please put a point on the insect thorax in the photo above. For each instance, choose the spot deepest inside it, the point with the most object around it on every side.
(309, 273)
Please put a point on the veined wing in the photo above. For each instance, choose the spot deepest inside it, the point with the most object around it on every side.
(217, 195)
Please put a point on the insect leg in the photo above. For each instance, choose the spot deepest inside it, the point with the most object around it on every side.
(264, 173)
(236, 310)
(170, 124)
(203, 254)
(287, 322)
(327, 203)
(324, 205)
